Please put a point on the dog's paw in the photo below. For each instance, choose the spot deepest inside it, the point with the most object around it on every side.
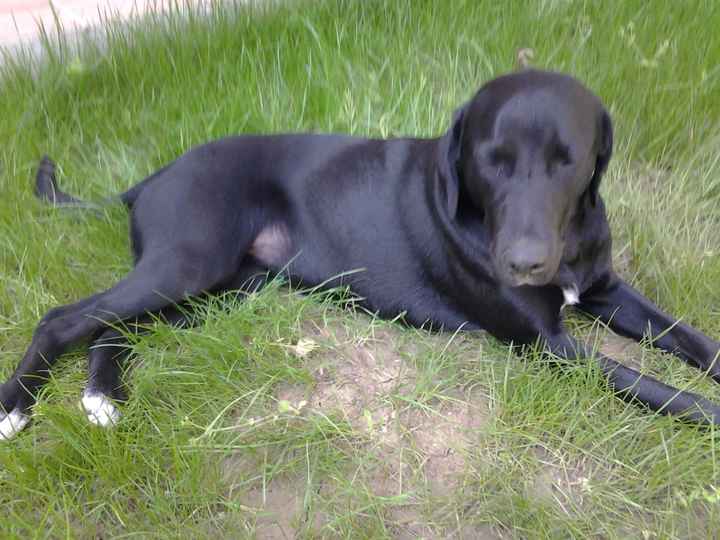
(13, 423)
(100, 409)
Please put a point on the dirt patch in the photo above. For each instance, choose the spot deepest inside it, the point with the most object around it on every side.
(356, 377)
(415, 453)
(443, 440)
(275, 509)
(624, 350)
(278, 509)
(560, 482)
(406, 527)
(367, 378)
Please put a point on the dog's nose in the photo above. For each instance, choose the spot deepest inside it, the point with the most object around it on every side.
(527, 260)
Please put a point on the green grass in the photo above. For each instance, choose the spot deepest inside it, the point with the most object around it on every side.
(401, 432)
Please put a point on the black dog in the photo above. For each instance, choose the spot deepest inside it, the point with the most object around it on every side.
(496, 225)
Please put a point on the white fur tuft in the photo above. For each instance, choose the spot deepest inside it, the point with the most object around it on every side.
(12, 424)
(100, 410)
(571, 295)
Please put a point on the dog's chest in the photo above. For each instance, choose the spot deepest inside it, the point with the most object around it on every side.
(571, 295)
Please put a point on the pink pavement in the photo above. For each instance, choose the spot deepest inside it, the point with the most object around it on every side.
(19, 19)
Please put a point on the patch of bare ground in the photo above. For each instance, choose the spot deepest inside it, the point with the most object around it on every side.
(438, 442)
(414, 454)
(356, 376)
(562, 482)
(277, 508)
(274, 509)
(598, 336)
(624, 350)
(442, 440)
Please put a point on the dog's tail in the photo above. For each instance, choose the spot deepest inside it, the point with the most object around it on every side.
(47, 190)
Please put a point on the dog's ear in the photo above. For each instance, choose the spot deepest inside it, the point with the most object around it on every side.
(603, 156)
(449, 159)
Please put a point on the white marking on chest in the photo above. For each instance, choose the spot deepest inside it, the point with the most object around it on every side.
(12, 424)
(272, 245)
(571, 296)
(99, 409)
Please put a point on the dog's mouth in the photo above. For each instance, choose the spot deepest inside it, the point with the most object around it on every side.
(529, 281)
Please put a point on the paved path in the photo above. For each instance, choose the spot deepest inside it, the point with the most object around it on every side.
(19, 19)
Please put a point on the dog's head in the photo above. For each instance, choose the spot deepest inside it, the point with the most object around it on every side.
(526, 155)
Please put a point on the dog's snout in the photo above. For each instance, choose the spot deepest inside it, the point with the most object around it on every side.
(526, 266)
(527, 261)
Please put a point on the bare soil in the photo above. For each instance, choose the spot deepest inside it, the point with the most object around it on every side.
(415, 453)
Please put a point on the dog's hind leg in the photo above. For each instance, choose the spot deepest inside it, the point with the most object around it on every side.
(106, 357)
(110, 349)
(159, 280)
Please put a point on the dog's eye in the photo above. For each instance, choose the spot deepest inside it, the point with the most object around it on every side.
(502, 162)
(561, 155)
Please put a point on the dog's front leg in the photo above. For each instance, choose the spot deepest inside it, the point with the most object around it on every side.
(630, 314)
(633, 386)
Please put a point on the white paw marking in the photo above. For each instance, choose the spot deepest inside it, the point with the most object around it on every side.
(12, 424)
(571, 295)
(100, 410)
